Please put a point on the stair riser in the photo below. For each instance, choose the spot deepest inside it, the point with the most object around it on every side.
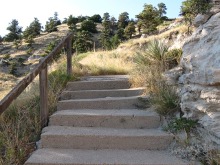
(67, 95)
(105, 142)
(98, 104)
(106, 121)
(96, 85)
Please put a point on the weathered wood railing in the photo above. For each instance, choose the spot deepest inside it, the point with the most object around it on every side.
(40, 69)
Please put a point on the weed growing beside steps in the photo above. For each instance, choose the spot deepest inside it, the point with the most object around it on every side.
(20, 123)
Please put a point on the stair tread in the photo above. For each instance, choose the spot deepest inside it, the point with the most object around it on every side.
(96, 85)
(99, 157)
(98, 131)
(102, 99)
(113, 118)
(111, 112)
(105, 90)
(105, 77)
(103, 93)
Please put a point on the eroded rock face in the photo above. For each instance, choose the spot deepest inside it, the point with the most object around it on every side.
(200, 78)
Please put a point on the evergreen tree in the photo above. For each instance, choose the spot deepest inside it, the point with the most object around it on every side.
(64, 21)
(96, 18)
(88, 25)
(123, 20)
(190, 8)
(83, 42)
(33, 29)
(15, 31)
(56, 19)
(106, 34)
(120, 34)
(130, 30)
(81, 18)
(113, 23)
(149, 18)
(72, 20)
(162, 9)
(106, 17)
(52, 23)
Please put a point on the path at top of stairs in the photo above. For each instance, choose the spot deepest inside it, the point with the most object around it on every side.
(98, 122)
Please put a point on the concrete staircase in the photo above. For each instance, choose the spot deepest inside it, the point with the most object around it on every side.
(98, 123)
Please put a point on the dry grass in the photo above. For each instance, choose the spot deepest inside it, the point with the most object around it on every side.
(103, 63)
(7, 81)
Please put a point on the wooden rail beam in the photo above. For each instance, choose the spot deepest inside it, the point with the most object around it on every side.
(44, 113)
(69, 57)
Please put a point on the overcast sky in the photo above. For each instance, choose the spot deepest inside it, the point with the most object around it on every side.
(25, 10)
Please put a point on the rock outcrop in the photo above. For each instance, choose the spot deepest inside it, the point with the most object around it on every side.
(199, 75)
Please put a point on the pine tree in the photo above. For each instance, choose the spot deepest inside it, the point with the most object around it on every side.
(106, 34)
(52, 23)
(88, 25)
(190, 8)
(123, 20)
(15, 31)
(82, 42)
(149, 18)
(130, 30)
(33, 29)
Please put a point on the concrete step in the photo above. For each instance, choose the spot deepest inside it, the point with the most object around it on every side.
(100, 103)
(97, 85)
(104, 138)
(101, 157)
(105, 77)
(128, 118)
(87, 94)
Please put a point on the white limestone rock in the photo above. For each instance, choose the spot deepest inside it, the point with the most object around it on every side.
(200, 78)
(201, 19)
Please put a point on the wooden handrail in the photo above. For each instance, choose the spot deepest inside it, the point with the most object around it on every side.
(41, 69)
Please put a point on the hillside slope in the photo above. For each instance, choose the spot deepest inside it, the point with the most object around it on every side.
(15, 63)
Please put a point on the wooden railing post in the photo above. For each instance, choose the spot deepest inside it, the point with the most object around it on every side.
(43, 97)
(69, 56)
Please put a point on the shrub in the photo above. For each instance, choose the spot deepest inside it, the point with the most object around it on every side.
(173, 58)
(165, 99)
(17, 43)
(6, 57)
(30, 51)
(13, 69)
(182, 124)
